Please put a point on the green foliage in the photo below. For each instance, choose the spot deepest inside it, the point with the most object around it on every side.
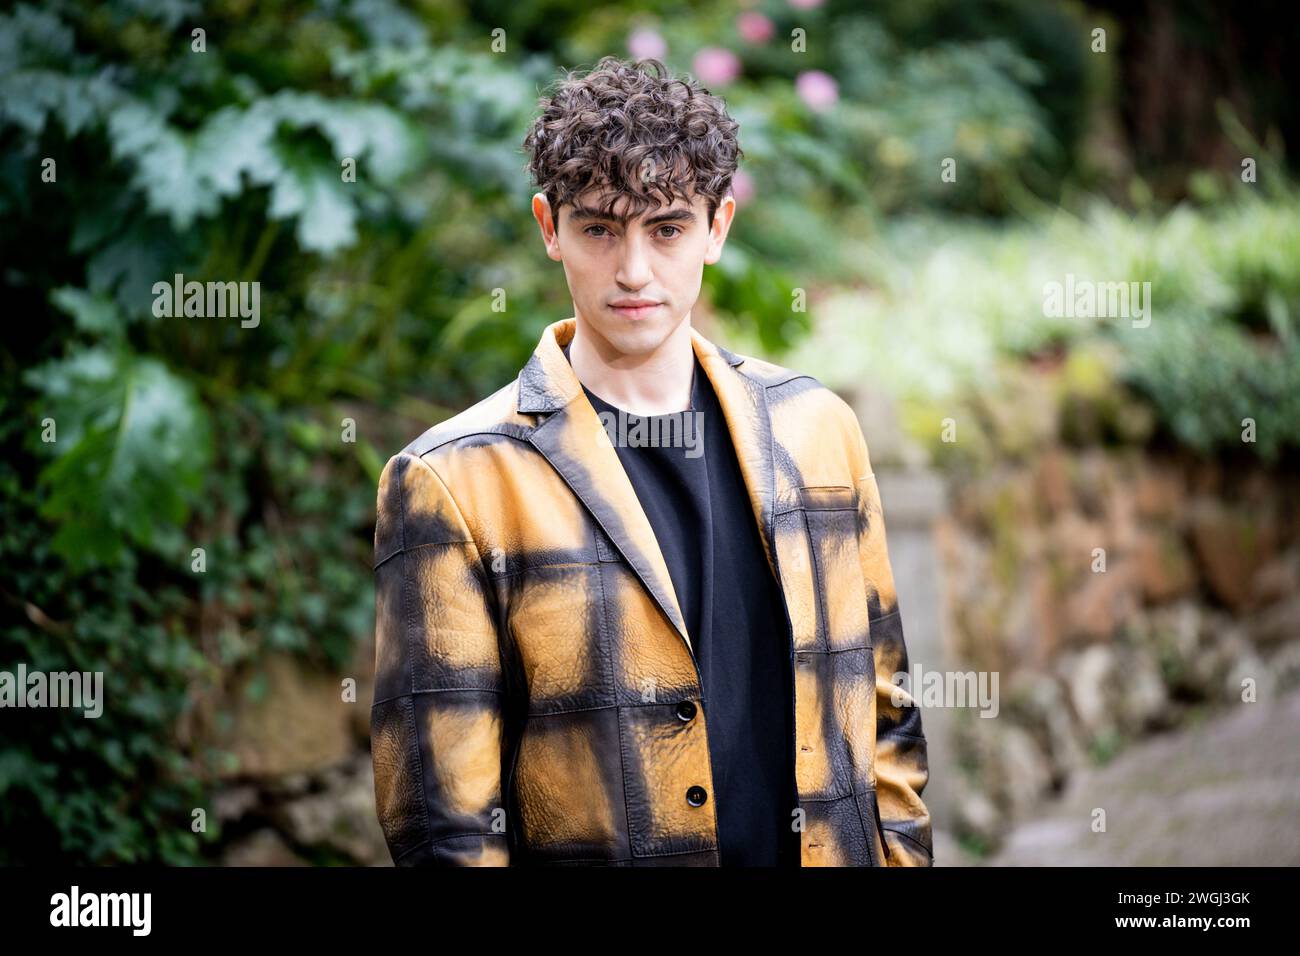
(131, 442)
(176, 434)
(954, 302)
(1210, 379)
(133, 446)
(1001, 87)
(92, 790)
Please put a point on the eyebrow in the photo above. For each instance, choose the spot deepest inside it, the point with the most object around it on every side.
(589, 213)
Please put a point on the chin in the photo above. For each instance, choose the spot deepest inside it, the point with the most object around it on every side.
(634, 336)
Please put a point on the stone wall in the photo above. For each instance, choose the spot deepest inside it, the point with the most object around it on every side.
(1117, 594)
(299, 790)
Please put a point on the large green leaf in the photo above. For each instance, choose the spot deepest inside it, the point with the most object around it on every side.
(131, 446)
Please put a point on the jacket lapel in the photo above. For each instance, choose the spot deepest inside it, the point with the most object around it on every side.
(744, 406)
(577, 446)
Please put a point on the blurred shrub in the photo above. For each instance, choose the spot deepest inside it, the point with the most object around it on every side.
(951, 301)
(1002, 87)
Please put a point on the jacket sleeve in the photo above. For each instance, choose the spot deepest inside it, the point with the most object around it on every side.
(902, 764)
(436, 725)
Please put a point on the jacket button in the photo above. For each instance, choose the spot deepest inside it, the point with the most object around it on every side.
(686, 710)
(696, 796)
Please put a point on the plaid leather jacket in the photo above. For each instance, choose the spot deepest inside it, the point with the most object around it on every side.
(536, 692)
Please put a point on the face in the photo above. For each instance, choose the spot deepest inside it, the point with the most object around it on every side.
(633, 283)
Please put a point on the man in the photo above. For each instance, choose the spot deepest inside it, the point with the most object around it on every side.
(598, 649)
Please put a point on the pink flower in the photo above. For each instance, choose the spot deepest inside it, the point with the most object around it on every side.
(742, 187)
(817, 89)
(645, 43)
(716, 66)
(754, 27)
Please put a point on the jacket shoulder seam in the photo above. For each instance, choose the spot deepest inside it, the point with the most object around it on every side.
(429, 442)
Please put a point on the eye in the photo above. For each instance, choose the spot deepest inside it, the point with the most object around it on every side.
(588, 232)
(674, 235)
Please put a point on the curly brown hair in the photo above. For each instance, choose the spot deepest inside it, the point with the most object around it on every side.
(632, 127)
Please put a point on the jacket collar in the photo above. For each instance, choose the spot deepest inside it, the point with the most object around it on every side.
(572, 438)
(547, 382)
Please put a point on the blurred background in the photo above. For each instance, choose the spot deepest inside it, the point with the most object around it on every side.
(1100, 511)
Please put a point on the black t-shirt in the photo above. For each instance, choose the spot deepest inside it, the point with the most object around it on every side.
(690, 486)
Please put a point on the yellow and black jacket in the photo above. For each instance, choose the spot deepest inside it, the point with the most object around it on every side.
(536, 691)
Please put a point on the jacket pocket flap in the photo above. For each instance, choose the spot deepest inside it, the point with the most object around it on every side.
(828, 498)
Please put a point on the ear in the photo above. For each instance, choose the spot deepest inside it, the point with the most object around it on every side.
(548, 224)
(719, 228)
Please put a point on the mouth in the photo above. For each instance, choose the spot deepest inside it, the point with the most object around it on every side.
(635, 308)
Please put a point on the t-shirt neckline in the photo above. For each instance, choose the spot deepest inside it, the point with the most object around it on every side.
(695, 396)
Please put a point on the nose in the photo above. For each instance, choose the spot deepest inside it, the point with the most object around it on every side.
(634, 261)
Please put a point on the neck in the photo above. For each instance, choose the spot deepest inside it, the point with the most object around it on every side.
(645, 383)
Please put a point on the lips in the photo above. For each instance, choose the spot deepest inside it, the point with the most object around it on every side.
(635, 308)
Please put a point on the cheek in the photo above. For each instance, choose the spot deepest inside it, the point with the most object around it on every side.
(580, 269)
(684, 272)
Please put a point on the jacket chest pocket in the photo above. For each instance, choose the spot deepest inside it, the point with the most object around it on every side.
(831, 518)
